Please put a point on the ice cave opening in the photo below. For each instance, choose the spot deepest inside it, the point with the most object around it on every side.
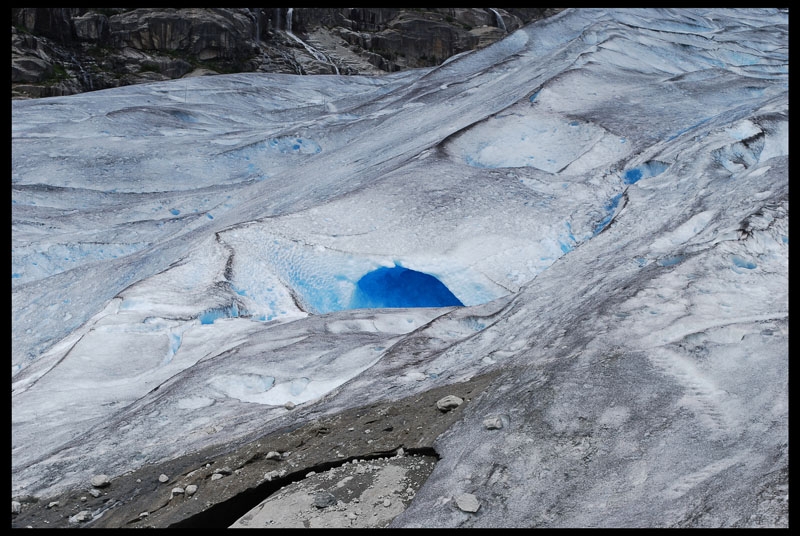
(401, 287)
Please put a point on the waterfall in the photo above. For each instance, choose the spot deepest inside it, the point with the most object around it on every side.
(255, 12)
(86, 77)
(276, 21)
(500, 23)
(319, 56)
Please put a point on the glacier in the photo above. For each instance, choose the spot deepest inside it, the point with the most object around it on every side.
(599, 203)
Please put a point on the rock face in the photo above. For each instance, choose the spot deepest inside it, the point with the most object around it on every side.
(63, 51)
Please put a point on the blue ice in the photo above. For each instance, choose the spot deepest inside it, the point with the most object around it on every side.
(687, 129)
(174, 342)
(211, 315)
(290, 144)
(565, 245)
(401, 287)
(644, 171)
(670, 261)
(298, 386)
(743, 263)
(610, 207)
(183, 116)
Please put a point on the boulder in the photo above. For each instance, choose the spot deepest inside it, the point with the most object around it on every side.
(30, 69)
(92, 27)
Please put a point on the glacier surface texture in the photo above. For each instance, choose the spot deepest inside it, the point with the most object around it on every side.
(594, 210)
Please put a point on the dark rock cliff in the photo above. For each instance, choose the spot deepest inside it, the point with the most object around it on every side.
(62, 51)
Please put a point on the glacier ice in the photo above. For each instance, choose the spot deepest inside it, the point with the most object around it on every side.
(604, 194)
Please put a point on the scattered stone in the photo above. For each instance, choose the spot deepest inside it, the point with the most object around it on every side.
(449, 402)
(274, 474)
(191, 489)
(143, 515)
(163, 478)
(273, 455)
(310, 473)
(223, 471)
(94, 493)
(387, 503)
(177, 491)
(289, 405)
(52, 504)
(100, 481)
(344, 481)
(81, 517)
(493, 423)
(216, 476)
(16, 507)
(468, 502)
(323, 499)
(84, 499)
(400, 452)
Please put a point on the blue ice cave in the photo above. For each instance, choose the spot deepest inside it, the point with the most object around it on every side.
(400, 287)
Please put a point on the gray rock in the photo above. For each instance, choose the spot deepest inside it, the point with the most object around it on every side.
(449, 402)
(272, 475)
(468, 502)
(101, 481)
(273, 455)
(191, 489)
(493, 423)
(91, 27)
(163, 478)
(30, 69)
(324, 499)
(16, 507)
(81, 517)
(120, 46)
